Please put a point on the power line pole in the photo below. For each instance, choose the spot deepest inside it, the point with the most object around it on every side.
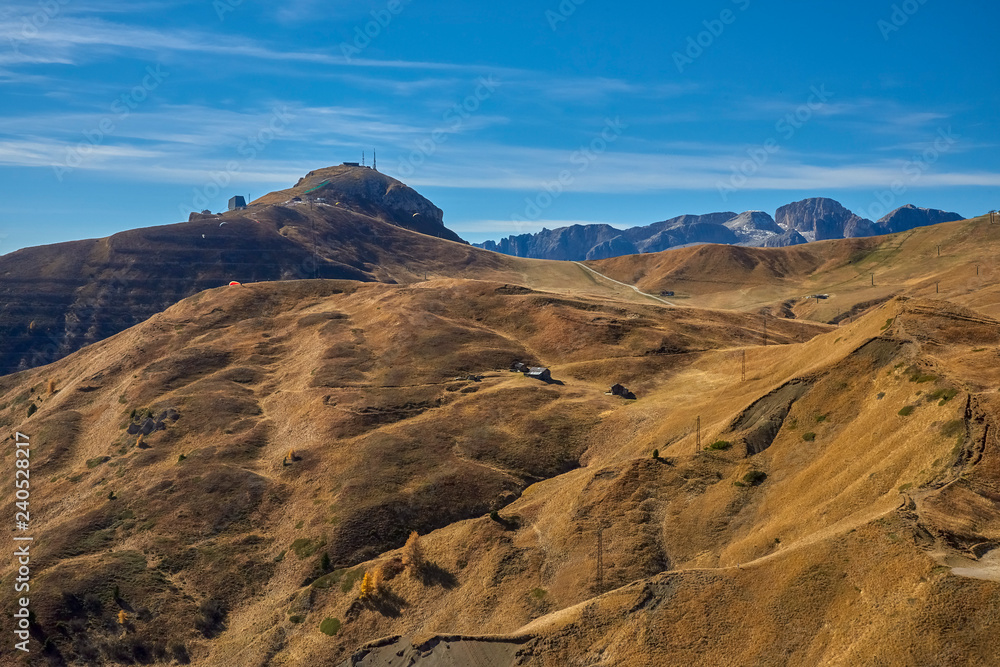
(873, 280)
(600, 559)
(744, 374)
(697, 437)
(765, 329)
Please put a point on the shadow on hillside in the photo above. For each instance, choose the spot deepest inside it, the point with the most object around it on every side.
(432, 574)
(385, 602)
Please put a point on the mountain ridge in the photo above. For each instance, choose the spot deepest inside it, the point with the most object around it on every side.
(805, 221)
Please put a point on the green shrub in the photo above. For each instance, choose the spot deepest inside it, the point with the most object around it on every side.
(754, 478)
(820, 418)
(953, 428)
(809, 437)
(296, 618)
(181, 458)
(349, 578)
(906, 411)
(330, 626)
(720, 445)
(32, 409)
(943, 395)
(98, 460)
(656, 454)
(539, 593)
(920, 378)
(304, 547)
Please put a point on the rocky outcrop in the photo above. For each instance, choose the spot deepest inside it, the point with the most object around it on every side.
(819, 219)
(565, 243)
(580, 242)
(909, 217)
(616, 247)
(753, 228)
(783, 240)
(698, 232)
(371, 192)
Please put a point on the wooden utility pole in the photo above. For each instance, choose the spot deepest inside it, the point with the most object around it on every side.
(939, 251)
(873, 280)
(937, 288)
(697, 437)
(600, 559)
(765, 330)
(743, 375)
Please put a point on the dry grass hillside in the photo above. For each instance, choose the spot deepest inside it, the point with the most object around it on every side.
(55, 299)
(954, 261)
(839, 509)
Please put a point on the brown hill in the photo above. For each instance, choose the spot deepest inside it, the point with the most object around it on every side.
(55, 299)
(376, 388)
(952, 260)
(832, 501)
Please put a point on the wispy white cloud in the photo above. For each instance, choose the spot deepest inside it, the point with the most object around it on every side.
(74, 40)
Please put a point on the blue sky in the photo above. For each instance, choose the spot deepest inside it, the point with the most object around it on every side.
(509, 116)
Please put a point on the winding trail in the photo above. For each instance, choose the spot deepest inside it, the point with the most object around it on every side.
(618, 282)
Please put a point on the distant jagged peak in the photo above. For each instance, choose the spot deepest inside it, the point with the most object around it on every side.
(754, 220)
(821, 218)
(909, 217)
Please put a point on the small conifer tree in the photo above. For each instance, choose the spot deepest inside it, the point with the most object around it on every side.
(413, 555)
(367, 587)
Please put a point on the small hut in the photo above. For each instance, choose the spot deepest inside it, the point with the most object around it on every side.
(540, 373)
(621, 390)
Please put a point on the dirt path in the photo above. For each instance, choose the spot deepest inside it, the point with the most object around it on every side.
(637, 290)
(838, 528)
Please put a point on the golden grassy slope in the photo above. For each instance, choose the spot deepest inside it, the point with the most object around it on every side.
(367, 383)
(877, 440)
(756, 278)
